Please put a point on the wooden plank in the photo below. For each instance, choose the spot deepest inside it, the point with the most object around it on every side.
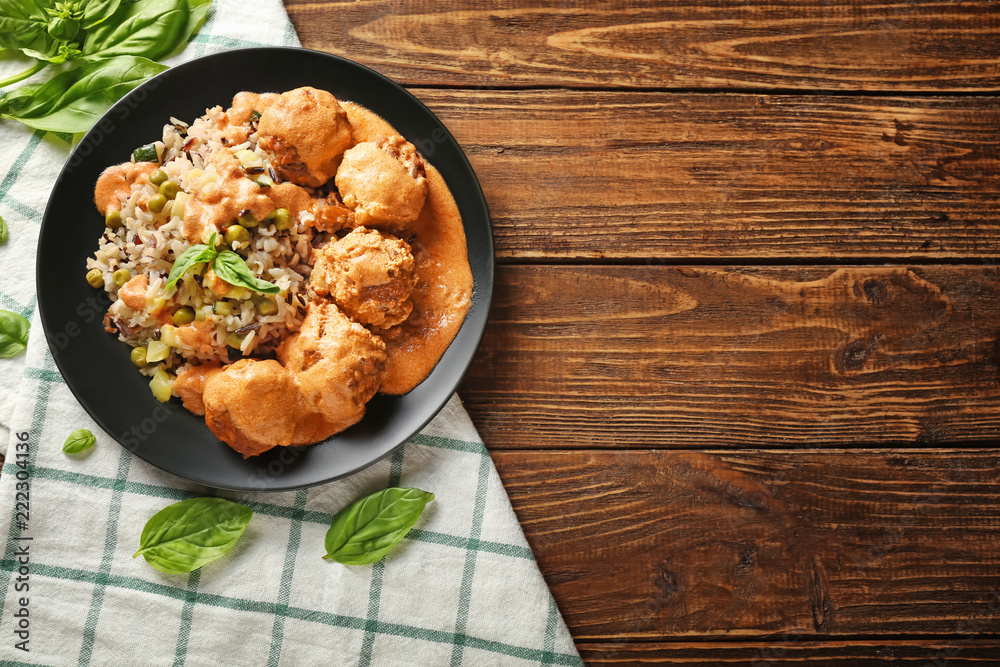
(809, 543)
(736, 178)
(815, 44)
(958, 652)
(653, 356)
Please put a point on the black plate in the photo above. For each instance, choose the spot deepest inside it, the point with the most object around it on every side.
(96, 365)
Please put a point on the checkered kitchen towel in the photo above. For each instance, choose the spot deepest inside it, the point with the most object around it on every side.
(461, 589)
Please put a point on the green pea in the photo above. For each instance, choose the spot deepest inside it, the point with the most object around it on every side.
(95, 278)
(247, 220)
(121, 276)
(222, 308)
(237, 234)
(138, 356)
(169, 189)
(183, 315)
(113, 219)
(267, 307)
(282, 219)
(158, 176)
(156, 203)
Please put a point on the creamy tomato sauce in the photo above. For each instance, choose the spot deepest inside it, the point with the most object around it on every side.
(115, 184)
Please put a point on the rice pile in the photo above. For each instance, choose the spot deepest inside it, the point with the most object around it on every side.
(149, 244)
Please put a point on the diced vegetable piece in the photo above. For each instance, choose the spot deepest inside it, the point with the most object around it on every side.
(267, 307)
(148, 153)
(246, 157)
(234, 340)
(162, 385)
(168, 335)
(156, 304)
(156, 351)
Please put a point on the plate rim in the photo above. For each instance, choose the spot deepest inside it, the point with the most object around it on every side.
(481, 300)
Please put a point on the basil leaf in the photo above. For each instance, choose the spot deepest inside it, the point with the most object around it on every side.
(3, 231)
(230, 267)
(13, 334)
(79, 441)
(150, 28)
(366, 530)
(98, 11)
(182, 537)
(72, 101)
(196, 254)
(21, 22)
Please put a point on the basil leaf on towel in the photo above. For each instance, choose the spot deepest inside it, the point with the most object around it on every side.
(150, 28)
(3, 231)
(196, 254)
(230, 267)
(79, 441)
(13, 334)
(184, 536)
(366, 530)
(72, 101)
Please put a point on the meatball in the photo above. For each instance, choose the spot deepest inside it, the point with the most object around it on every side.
(304, 131)
(383, 182)
(250, 405)
(369, 274)
(338, 364)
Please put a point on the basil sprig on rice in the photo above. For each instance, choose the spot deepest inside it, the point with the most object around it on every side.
(227, 265)
(230, 267)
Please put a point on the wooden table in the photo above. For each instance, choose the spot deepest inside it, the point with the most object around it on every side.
(741, 374)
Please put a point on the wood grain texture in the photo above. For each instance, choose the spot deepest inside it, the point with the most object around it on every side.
(959, 652)
(715, 44)
(806, 544)
(741, 178)
(654, 356)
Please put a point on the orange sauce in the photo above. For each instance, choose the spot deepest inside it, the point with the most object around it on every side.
(115, 184)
